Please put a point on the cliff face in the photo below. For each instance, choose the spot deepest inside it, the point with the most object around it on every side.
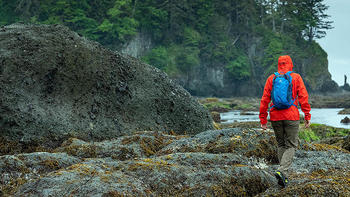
(138, 46)
(210, 79)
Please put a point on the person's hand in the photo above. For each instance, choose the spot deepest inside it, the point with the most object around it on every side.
(307, 124)
(264, 126)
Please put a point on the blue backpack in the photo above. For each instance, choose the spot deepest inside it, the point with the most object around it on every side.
(281, 94)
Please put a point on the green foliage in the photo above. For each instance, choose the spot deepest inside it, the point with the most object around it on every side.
(187, 33)
(321, 56)
(158, 57)
(173, 59)
(308, 135)
(162, 59)
(204, 12)
(272, 52)
(239, 68)
(191, 37)
(327, 131)
(7, 12)
(71, 13)
(119, 25)
(320, 131)
(152, 19)
(187, 58)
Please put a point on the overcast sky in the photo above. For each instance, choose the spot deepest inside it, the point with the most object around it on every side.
(337, 41)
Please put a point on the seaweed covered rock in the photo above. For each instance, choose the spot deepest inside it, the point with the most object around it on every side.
(137, 145)
(18, 169)
(346, 143)
(317, 170)
(228, 162)
(248, 142)
(136, 164)
(317, 173)
(340, 143)
(183, 174)
(55, 84)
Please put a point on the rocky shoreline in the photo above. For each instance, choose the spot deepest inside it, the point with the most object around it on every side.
(226, 162)
(253, 104)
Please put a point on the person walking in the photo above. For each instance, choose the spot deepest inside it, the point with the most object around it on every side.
(286, 89)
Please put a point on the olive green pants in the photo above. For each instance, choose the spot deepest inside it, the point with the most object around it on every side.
(286, 132)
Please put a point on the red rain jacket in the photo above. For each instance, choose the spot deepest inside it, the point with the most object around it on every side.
(285, 64)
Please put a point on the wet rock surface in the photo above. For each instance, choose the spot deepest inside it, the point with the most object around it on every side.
(141, 164)
(228, 162)
(346, 120)
(55, 84)
(316, 173)
(20, 168)
(216, 116)
(342, 142)
(344, 111)
(249, 142)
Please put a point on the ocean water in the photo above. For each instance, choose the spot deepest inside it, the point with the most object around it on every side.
(327, 116)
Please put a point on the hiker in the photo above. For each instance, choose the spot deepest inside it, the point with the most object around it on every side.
(286, 89)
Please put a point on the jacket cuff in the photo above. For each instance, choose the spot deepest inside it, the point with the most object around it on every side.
(307, 116)
(263, 121)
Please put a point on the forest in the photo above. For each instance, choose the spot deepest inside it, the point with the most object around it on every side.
(240, 38)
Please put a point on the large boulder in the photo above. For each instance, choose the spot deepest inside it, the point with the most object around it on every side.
(55, 84)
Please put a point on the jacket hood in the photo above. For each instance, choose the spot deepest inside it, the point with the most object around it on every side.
(285, 64)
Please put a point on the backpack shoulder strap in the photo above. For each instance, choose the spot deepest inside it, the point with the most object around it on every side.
(276, 75)
(289, 72)
(290, 81)
(288, 75)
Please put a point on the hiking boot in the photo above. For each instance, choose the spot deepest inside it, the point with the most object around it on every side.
(282, 179)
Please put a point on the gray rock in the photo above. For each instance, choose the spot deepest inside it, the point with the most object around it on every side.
(231, 162)
(248, 142)
(18, 169)
(346, 143)
(346, 120)
(137, 145)
(55, 84)
(316, 173)
(38, 161)
(194, 174)
(309, 161)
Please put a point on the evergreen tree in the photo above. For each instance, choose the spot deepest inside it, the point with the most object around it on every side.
(185, 33)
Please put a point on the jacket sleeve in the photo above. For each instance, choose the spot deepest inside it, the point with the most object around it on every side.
(265, 100)
(303, 98)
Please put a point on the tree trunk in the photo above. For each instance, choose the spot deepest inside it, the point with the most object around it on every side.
(310, 34)
(133, 9)
(282, 26)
